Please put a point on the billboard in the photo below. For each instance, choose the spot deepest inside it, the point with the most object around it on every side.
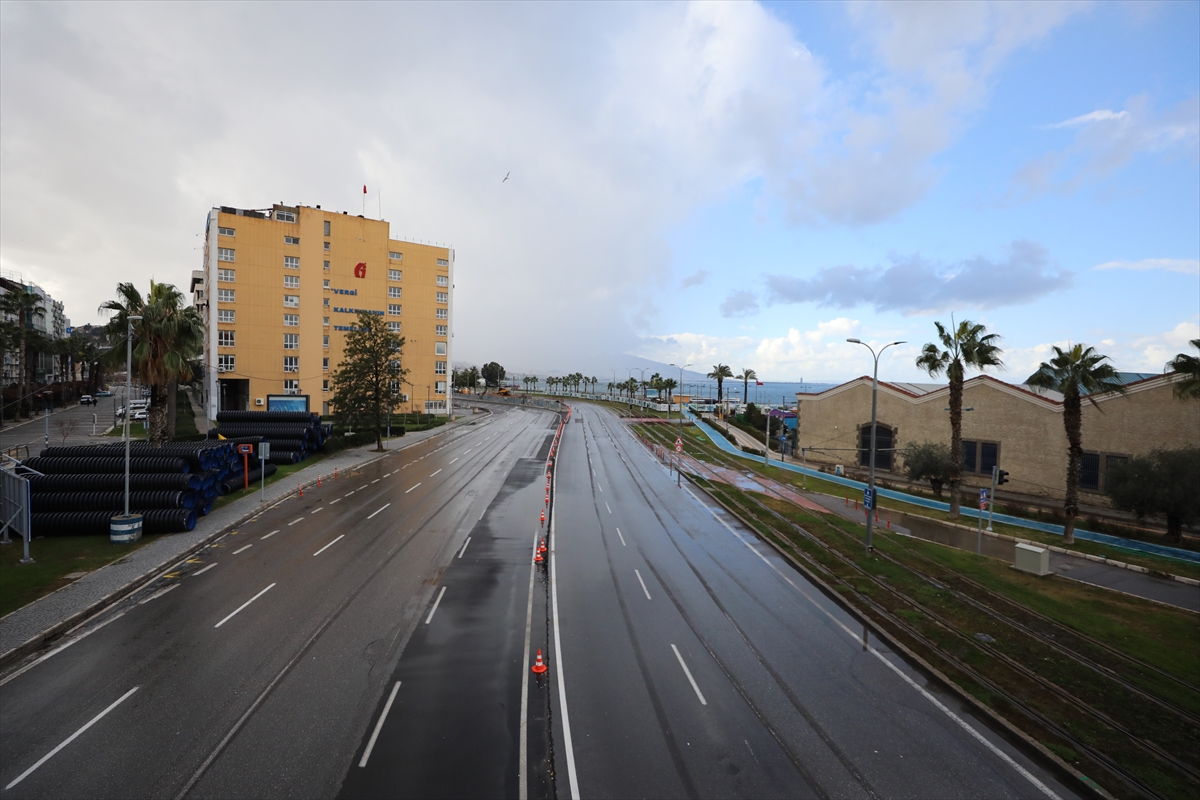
(287, 402)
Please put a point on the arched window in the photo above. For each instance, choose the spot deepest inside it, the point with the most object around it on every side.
(884, 438)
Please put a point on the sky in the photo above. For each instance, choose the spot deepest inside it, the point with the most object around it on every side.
(741, 183)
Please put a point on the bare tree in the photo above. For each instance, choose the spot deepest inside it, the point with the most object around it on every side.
(66, 427)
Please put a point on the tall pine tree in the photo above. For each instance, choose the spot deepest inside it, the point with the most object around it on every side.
(367, 382)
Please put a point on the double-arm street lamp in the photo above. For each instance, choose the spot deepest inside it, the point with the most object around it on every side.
(874, 402)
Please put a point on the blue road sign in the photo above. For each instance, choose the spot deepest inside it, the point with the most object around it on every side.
(868, 498)
(983, 499)
(70, 330)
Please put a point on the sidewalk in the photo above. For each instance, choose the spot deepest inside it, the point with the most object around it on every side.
(26, 628)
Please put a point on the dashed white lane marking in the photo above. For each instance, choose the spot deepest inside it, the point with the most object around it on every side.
(375, 481)
(331, 502)
(436, 603)
(315, 510)
(385, 505)
(331, 544)
(210, 566)
(240, 549)
(268, 536)
(159, 593)
(464, 547)
(406, 491)
(293, 522)
(688, 672)
(1046, 790)
(622, 538)
(70, 739)
(647, 591)
(606, 506)
(352, 491)
(243, 605)
(379, 725)
(454, 459)
(601, 488)
(435, 473)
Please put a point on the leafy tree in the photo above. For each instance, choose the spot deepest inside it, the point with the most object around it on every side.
(493, 375)
(1162, 483)
(929, 462)
(719, 373)
(1189, 368)
(967, 345)
(165, 340)
(1074, 374)
(23, 304)
(745, 377)
(366, 384)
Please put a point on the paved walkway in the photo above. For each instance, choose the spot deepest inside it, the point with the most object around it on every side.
(22, 630)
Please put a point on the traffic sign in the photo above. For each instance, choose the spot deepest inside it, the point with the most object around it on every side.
(246, 449)
(868, 498)
(983, 499)
(679, 444)
(70, 330)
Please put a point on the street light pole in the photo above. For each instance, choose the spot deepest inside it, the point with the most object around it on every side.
(128, 391)
(874, 403)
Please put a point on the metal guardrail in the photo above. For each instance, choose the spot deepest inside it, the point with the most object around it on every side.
(15, 506)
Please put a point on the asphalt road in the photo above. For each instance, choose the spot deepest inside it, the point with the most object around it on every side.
(256, 669)
(71, 425)
(697, 663)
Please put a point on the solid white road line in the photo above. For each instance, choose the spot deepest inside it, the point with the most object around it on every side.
(622, 538)
(688, 672)
(436, 603)
(159, 593)
(643, 583)
(435, 473)
(381, 509)
(268, 536)
(464, 548)
(1046, 790)
(60, 648)
(562, 684)
(606, 506)
(293, 522)
(240, 549)
(210, 566)
(331, 544)
(379, 725)
(70, 739)
(406, 491)
(243, 605)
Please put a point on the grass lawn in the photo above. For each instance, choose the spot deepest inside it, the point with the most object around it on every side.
(54, 557)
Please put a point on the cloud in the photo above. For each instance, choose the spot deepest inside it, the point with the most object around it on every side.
(1188, 266)
(1106, 141)
(1126, 353)
(739, 304)
(913, 285)
(695, 279)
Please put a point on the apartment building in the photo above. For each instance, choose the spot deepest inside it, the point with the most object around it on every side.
(280, 288)
(49, 319)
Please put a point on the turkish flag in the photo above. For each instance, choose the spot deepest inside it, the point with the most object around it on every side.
(758, 383)
(364, 188)
(360, 269)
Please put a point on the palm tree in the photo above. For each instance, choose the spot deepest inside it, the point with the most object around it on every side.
(719, 373)
(668, 384)
(166, 339)
(1075, 373)
(1188, 367)
(24, 305)
(746, 376)
(967, 345)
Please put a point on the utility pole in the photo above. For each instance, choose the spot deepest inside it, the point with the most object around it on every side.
(869, 497)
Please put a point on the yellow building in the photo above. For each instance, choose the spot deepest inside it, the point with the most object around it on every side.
(279, 291)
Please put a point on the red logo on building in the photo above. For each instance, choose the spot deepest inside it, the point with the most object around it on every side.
(360, 269)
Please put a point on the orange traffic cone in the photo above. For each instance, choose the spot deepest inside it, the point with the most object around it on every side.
(538, 667)
(542, 546)
(335, 473)
(543, 520)
(300, 489)
(318, 480)
(547, 498)
(537, 557)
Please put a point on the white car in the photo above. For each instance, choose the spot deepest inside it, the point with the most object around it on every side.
(141, 414)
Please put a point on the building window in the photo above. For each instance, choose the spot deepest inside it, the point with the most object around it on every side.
(443, 262)
(394, 275)
(326, 283)
(325, 384)
(291, 341)
(326, 302)
(325, 344)
(435, 405)
(439, 387)
(883, 446)
(970, 461)
(291, 281)
(326, 227)
(291, 363)
(226, 275)
(291, 262)
(225, 231)
(443, 297)
(394, 256)
(325, 361)
(394, 291)
(225, 315)
(225, 295)
(225, 254)
(443, 313)
(327, 247)
(394, 327)
(225, 362)
(291, 320)
(327, 266)
(225, 338)
(1089, 472)
(291, 386)
(325, 321)
(439, 330)
(291, 300)
(394, 309)
(439, 348)
(980, 457)
(439, 368)
(443, 280)
(285, 216)
(291, 240)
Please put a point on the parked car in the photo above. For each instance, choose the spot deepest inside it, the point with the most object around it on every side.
(104, 393)
(87, 400)
(141, 415)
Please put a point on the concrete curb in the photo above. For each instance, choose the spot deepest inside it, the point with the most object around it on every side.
(164, 566)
